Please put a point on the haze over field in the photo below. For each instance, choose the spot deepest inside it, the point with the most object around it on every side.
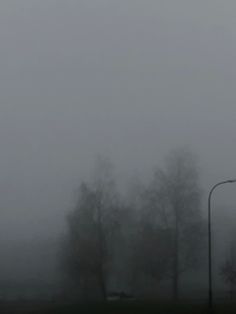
(126, 79)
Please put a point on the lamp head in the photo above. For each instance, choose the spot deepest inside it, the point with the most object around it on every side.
(232, 181)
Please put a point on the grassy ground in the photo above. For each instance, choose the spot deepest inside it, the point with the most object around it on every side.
(111, 308)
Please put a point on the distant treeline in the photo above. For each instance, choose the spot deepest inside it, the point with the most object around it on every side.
(129, 243)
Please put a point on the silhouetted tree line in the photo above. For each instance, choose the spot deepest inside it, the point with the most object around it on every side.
(157, 234)
(228, 268)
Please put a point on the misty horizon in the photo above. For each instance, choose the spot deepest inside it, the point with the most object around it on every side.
(126, 80)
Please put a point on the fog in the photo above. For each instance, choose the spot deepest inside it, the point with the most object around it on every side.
(130, 80)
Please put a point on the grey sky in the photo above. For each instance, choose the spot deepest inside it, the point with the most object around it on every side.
(127, 79)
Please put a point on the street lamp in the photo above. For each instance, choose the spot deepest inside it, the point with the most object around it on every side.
(209, 238)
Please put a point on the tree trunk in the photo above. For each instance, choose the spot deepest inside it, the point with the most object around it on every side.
(175, 281)
(102, 254)
(102, 284)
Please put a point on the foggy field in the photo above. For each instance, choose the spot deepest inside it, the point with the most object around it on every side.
(123, 307)
(117, 123)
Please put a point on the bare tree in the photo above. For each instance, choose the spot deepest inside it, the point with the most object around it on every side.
(92, 226)
(173, 203)
(228, 269)
(151, 253)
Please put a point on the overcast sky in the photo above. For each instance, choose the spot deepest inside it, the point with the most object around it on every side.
(126, 79)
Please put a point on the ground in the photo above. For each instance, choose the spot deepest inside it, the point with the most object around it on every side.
(111, 308)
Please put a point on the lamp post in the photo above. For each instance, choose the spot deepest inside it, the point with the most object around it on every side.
(209, 239)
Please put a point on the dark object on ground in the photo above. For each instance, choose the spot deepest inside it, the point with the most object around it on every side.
(120, 296)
